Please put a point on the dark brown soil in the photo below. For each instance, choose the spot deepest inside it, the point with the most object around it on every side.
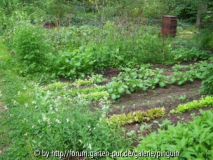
(109, 73)
(168, 97)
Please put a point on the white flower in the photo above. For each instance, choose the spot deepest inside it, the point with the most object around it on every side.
(57, 121)
(26, 105)
(67, 120)
(25, 120)
(19, 93)
(14, 102)
(90, 146)
(25, 134)
(5, 107)
(33, 102)
(44, 118)
(24, 88)
(33, 126)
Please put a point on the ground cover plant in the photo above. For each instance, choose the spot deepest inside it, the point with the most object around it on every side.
(98, 76)
(183, 140)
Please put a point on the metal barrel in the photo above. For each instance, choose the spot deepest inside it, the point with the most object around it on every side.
(169, 25)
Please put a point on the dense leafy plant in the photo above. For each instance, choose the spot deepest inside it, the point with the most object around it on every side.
(203, 102)
(133, 117)
(66, 123)
(97, 78)
(207, 83)
(31, 47)
(192, 140)
(186, 54)
(116, 89)
(73, 64)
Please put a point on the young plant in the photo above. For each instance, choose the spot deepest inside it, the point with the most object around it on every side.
(138, 116)
(203, 102)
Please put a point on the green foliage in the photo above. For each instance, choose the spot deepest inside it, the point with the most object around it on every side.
(192, 140)
(164, 124)
(97, 79)
(95, 95)
(138, 116)
(207, 83)
(30, 46)
(81, 82)
(204, 40)
(65, 123)
(15, 91)
(73, 64)
(116, 89)
(186, 54)
(133, 80)
(203, 102)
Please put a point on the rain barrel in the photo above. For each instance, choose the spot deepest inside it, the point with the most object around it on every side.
(169, 25)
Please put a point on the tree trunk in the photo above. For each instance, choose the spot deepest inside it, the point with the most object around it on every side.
(201, 9)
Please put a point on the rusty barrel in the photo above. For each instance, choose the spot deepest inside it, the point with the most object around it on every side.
(169, 26)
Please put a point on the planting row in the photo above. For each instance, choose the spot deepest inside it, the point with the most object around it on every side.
(128, 81)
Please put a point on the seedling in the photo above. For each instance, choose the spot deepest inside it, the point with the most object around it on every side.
(131, 133)
(182, 97)
(164, 124)
(160, 102)
(193, 115)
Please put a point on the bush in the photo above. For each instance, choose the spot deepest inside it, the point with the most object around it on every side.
(30, 46)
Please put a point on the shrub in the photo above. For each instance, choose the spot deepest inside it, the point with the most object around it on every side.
(30, 46)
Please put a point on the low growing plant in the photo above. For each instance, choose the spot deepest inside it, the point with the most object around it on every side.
(203, 102)
(133, 117)
(190, 141)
